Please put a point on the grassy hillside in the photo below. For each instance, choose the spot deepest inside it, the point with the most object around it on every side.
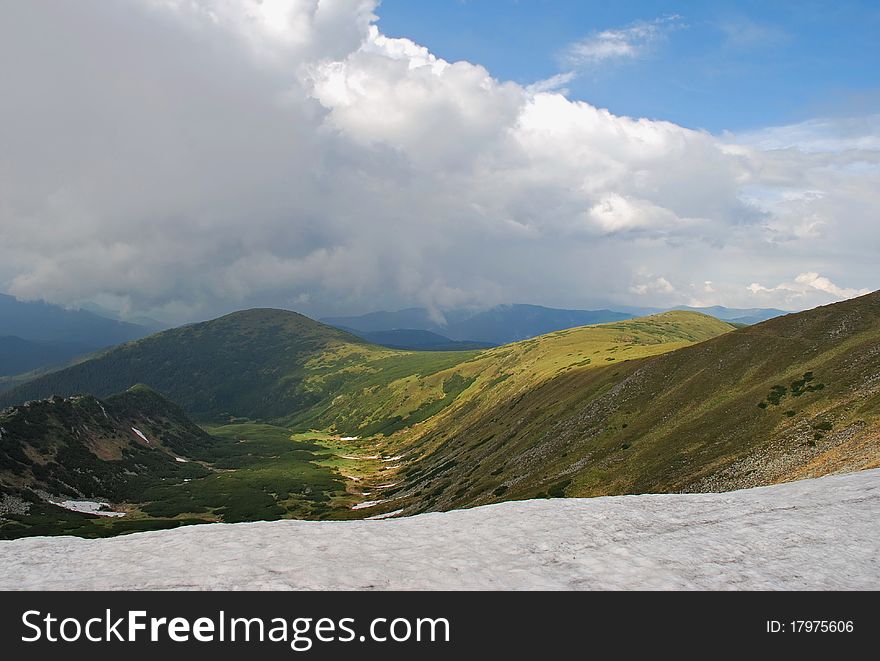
(795, 396)
(311, 421)
(280, 367)
(256, 364)
(368, 402)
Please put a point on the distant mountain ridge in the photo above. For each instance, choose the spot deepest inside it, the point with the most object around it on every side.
(37, 334)
(416, 340)
(18, 356)
(502, 324)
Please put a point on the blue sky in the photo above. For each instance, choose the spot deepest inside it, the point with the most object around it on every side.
(718, 66)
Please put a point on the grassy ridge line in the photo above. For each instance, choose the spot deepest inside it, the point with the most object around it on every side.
(684, 420)
(415, 388)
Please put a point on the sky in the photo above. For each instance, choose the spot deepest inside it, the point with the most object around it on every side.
(180, 159)
(719, 66)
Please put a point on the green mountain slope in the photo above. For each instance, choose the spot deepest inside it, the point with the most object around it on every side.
(151, 467)
(280, 367)
(792, 397)
(386, 402)
(84, 447)
(259, 364)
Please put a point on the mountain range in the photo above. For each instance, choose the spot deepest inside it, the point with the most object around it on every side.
(36, 335)
(305, 420)
(504, 324)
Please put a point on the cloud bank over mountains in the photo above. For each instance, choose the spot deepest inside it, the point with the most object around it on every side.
(181, 158)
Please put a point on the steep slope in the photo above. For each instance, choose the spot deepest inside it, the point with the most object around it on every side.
(830, 529)
(84, 447)
(135, 462)
(57, 452)
(259, 364)
(369, 406)
(793, 397)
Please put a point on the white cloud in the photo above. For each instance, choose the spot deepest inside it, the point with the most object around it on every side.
(626, 43)
(184, 158)
(555, 83)
(806, 285)
(658, 285)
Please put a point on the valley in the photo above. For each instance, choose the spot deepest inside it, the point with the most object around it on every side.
(301, 420)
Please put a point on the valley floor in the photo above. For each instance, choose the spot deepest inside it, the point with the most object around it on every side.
(814, 534)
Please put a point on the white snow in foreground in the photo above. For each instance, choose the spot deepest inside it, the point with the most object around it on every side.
(87, 507)
(816, 534)
(141, 434)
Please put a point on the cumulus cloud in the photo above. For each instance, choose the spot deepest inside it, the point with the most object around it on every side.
(806, 285)
(182, 158)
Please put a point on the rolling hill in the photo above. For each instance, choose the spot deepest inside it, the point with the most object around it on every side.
(259, 364)
(797, 396)
(281, 367)
(318, 423)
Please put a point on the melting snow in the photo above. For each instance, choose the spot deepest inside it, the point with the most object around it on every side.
(87, 507)
(181, 460)
(141, 434)
(367, 503)
(349, 438)
(815, 534)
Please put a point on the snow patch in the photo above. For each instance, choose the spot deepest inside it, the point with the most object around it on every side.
(181, 460)
(87, 507)
(349, 438)
(367, 503)
(819, 534)
(141, 434)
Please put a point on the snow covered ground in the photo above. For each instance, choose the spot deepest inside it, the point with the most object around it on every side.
(95, 507)
(814, 534)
